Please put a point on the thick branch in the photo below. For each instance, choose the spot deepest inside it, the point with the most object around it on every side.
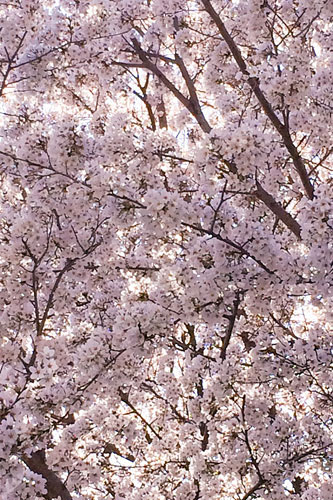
(198, 114)
(194, 107)
(205, 435)
(161, 113)
(55, 487)
(149, 109)
(278, 210)
(188, 103)
(281, 128)
(232, 319)
(144, 99)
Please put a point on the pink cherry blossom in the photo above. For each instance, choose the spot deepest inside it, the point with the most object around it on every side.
(166, 234)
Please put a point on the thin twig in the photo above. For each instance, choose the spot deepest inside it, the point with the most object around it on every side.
(231, 243)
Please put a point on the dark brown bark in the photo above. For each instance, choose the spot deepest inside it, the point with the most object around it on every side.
(55, 487)
(254, 83)
(232, 320)
(278, 210)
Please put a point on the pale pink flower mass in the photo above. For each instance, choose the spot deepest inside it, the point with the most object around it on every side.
(166, 263)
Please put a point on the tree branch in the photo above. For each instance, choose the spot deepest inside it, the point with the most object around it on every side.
(55, 487)
(254, 461)
(231, 243)
(232, 319)
(125, 399)
(10, 61)
(188, 103)
(278, 210)
(193, 95)
(67, 267)
(44, 167)
(253, 490)
(194, 108)
(281, 128)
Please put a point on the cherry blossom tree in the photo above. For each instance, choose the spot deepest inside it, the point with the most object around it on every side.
(167, 257)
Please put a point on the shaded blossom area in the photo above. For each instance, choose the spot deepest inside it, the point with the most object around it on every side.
(166, 269)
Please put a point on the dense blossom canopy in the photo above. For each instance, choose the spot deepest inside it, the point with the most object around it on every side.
(166, 269)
